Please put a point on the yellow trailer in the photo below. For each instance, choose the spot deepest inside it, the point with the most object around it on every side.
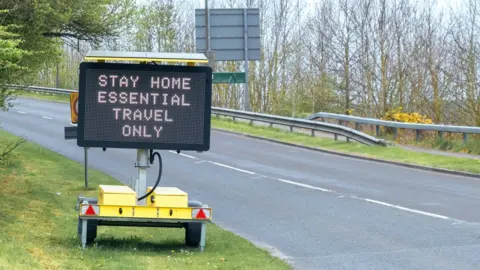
(99, 125)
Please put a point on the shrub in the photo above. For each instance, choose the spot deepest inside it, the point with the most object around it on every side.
(398, 115)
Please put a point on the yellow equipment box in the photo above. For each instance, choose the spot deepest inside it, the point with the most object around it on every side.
(167, 197)
(116, 195)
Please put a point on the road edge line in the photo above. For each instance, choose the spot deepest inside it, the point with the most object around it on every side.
(396, 163)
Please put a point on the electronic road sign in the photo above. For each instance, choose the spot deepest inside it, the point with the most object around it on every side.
(142, 106)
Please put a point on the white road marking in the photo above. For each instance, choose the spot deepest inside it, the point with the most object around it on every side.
(369, 200)
(230, 167)
(404, 208)
(339, 195)
(21, 112)
(188, 156)
(181, 154)
(46, 117)
(304, 185)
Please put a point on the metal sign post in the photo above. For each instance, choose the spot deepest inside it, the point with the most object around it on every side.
(246, 95)
(142, 165)
(85, 154)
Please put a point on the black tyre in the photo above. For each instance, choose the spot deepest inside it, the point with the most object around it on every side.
(91, 231)
(193, 233)
(193, 230)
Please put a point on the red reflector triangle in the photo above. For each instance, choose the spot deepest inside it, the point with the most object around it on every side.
(201, 214)
(90, 211)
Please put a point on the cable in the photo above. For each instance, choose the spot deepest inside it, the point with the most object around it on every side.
(152, 159)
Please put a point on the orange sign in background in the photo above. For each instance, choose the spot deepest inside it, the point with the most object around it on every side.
(74, 107)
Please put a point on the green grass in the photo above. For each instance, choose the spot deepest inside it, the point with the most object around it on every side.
(449, 143)
(387, 153)
(38, 225)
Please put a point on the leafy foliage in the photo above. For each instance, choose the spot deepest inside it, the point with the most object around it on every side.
(33, 31)
(11, 56)
(398, 115)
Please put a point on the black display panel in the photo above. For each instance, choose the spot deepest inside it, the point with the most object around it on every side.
(143, 106)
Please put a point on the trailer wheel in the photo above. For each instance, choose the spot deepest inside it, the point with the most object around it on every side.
(193, 233)
(193, 230)
(91, 230)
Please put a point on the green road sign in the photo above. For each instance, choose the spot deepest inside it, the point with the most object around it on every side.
(229, 77)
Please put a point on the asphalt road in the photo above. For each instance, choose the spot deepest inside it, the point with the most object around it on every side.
(318, 211)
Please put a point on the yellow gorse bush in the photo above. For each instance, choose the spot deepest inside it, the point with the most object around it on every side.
(399, 116)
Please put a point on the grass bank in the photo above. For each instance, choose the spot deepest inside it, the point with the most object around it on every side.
(38, 225)
(390, 153)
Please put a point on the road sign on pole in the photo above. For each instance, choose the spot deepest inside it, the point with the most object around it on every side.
(229, 77)
(74, 107)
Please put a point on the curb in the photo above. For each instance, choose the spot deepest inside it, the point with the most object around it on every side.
(401, 164)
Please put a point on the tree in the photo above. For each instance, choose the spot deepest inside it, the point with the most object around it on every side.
(32, 33)
(10, 62)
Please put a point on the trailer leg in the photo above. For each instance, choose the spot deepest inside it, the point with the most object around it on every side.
(203, 236)
(84, 233)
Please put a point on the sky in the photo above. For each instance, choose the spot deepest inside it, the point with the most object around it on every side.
(442, 3)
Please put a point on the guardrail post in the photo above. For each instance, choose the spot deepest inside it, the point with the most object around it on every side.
(417, 135)
(335, 136)
(270, 125)
(377, 130)
(440, 134)
(465, 138)
(340, 122)
(357, 126)
(313, 132)
(291, 128)
(395, 133)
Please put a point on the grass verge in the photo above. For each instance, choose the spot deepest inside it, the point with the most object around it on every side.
(38, 225)
(392, 153)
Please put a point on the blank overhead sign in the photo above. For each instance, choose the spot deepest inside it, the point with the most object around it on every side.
(227, 33)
